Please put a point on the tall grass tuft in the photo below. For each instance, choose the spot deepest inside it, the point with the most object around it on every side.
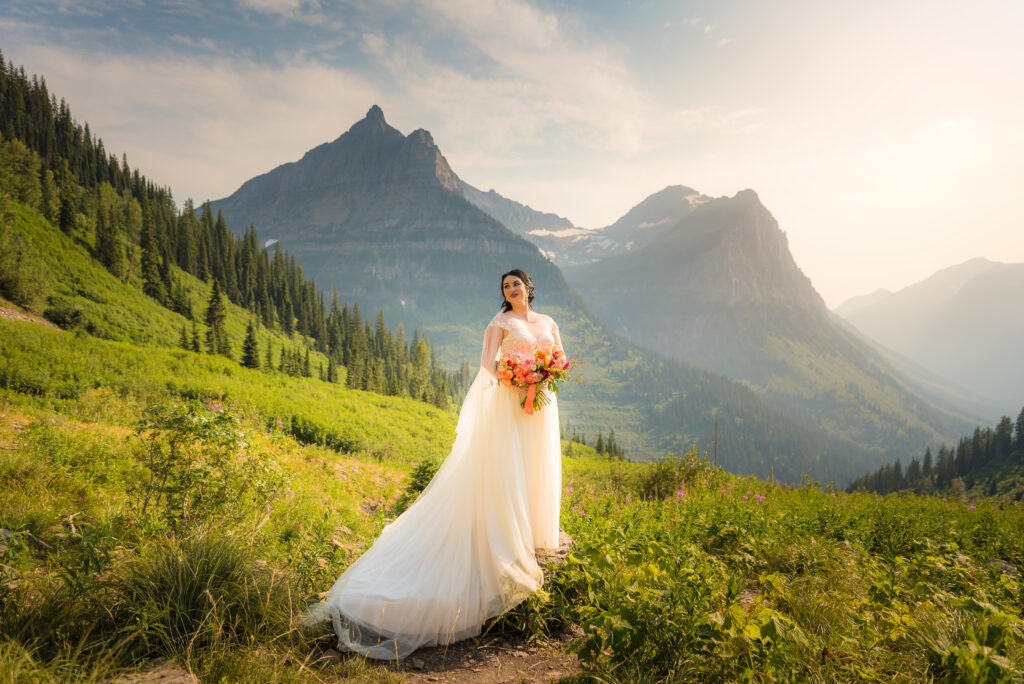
(198, 594)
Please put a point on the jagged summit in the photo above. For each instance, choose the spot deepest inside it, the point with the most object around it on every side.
(382, 216)
(373, 124)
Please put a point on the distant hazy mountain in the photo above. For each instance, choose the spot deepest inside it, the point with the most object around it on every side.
(568, 245)
(718, 288)
(964, 323)
(513, 215)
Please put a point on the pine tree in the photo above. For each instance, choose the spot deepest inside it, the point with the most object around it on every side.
(152, 281)
(250, 351)
(108, 243)
(184, 342)
(66, 215)
(1018, 444)
(195, 338)
(440, 398)
(926, 467)
(215, 316)
(599, 446)
(268, 364)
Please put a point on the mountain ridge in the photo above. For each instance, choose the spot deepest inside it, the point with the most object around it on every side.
(720, 289)
(956, 323)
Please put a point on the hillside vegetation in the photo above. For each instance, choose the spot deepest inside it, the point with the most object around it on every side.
(162, 502)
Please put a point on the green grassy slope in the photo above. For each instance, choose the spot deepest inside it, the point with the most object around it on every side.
(132, 353)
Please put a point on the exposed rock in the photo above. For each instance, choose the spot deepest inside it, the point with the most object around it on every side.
(164, 673)
(1004, 567)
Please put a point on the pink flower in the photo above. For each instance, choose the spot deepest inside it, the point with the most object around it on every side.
(680, 494)
(832, 495)
(971, 507)
(568, 490)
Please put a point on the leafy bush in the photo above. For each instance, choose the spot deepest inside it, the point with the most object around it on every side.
(64, 315)
(195, 468)
(21, 279)
(421, 476)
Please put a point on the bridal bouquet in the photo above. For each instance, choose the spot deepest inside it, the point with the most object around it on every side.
(526, 372)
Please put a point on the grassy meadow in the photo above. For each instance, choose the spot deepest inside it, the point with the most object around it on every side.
(160, 503)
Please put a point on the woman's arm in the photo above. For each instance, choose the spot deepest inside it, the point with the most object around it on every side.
(492, 343)
(554, 334)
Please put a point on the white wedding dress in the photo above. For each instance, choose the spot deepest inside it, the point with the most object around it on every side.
(464, 551)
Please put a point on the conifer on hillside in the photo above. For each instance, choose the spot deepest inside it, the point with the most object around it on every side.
(216, 313)
(250, 352)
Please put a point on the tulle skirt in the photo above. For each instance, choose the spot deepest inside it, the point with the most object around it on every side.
(464, 551)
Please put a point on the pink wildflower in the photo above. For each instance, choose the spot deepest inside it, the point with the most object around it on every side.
(971, 507)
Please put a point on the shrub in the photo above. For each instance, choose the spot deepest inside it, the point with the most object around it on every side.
(421, 476)
(21, 279)
(196, 470)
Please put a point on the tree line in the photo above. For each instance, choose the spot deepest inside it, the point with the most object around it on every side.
(53, 164)
(952, 468)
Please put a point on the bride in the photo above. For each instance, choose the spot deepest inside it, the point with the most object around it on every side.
(464, 551)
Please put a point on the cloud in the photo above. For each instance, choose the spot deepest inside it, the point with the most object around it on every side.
(283, 7)
(529, 77)
(204, 126)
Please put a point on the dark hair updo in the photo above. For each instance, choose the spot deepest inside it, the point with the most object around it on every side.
(527, 281)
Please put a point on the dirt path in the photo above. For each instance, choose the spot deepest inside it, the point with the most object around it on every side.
(16, 315)
(492, 660)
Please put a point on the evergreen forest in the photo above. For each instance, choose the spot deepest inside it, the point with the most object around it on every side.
(989, 462)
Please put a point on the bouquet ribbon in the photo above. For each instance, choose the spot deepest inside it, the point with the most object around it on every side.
(530, 394)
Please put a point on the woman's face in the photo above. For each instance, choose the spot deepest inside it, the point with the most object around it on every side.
(514, 290)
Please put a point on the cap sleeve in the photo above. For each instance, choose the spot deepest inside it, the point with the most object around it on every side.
(492, 342)
(501, 321)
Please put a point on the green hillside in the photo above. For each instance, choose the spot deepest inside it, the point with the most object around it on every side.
(129, 353)
(119, 551)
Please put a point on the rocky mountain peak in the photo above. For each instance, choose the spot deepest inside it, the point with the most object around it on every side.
(372, 123)
(422, 136)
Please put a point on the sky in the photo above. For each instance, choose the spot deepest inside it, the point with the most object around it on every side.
(887, 138)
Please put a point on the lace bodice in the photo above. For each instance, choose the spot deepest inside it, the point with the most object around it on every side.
(522, 337)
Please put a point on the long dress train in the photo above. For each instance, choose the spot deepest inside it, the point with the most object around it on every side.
(464, 551)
